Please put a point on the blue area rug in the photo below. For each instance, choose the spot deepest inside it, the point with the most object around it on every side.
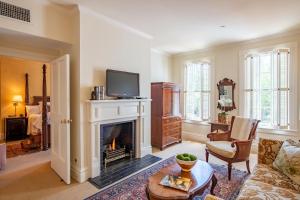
(134, 187)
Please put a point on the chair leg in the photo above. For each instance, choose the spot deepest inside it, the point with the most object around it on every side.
(229, 171)
(248, 167)
(206, 155)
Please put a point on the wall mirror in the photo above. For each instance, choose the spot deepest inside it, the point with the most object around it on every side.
(226, 94)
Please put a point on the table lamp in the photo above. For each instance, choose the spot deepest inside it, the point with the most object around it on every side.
(16, 100)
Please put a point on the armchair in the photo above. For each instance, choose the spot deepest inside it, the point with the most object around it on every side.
(234, 145)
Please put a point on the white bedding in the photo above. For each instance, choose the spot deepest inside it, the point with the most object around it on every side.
(35, 123)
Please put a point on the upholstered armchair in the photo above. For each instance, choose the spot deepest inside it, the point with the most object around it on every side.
(234, 145)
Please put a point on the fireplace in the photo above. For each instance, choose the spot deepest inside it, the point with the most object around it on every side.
(117, 141)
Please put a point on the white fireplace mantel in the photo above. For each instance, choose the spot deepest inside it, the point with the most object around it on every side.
(111, 111)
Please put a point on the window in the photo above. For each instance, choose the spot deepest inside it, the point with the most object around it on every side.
(267, 88)
(197, 93)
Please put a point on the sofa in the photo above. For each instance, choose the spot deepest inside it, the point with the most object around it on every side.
(265, 182)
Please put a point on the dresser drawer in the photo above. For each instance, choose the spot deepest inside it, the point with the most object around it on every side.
(171, 139)
(167, 120)
(171, 125)
(173, 131)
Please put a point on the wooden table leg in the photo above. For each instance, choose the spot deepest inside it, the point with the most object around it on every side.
(213, 185)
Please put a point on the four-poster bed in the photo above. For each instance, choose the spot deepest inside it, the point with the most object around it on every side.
(38, 115)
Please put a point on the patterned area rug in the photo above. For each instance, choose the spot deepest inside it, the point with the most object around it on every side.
(134, 187)
(14, 149)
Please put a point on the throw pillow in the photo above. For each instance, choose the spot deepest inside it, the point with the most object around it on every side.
(288, 160)
(33, 110)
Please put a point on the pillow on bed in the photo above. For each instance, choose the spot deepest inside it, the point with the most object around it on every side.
(41, 106)
(33, 110)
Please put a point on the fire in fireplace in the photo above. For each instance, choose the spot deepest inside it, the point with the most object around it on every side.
(117, 142)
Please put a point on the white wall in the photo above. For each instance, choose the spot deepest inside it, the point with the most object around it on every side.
(47, 20)
(226, 64)
(103, 45)
(160, 67)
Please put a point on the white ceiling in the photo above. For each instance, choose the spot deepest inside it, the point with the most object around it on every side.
(183, 25)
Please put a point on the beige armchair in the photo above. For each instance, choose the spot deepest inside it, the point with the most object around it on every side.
(234, 145)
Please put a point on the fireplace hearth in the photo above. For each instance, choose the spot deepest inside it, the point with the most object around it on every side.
(117, 142)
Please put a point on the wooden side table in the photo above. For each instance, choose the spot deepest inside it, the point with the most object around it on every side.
(216, 126)
(201, 175)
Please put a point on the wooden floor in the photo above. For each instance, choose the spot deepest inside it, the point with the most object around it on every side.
(41, 182)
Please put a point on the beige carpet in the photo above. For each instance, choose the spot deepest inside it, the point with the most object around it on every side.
(41, 182)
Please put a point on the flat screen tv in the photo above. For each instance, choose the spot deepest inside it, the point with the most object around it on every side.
(122, 84)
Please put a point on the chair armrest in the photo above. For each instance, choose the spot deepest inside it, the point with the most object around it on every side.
(218, 136)
(243, 148)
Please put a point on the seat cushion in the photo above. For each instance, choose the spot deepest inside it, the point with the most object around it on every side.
(259, 190)
(222, 148)
(267, 174)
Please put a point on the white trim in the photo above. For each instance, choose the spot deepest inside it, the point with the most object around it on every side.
(204, 123)
(146, 150)
(11, 52)
(272, 131)
(114, 22)
(199, 137)
(164, 53)
(80, 175)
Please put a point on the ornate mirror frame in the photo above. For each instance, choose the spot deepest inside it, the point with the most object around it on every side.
(220, 85)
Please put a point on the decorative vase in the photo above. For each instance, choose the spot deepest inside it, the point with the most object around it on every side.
(222, 118)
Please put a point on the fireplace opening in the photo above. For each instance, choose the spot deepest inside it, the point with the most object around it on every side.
(117, 142)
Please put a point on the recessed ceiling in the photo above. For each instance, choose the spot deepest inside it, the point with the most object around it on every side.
(183, 25)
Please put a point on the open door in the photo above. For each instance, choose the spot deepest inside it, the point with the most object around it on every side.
(60, 117)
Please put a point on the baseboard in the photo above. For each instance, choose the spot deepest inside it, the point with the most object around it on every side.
(198, 137)
(80, 175)
(146, 150)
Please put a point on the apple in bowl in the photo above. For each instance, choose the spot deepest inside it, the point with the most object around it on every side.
(186, 161)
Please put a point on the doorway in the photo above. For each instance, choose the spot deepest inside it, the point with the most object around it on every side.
(21, 108)
(54, 72)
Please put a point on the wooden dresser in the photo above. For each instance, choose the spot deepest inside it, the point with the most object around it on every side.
(165, 115)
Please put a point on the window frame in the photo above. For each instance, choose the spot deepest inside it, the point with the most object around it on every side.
(293, 87)
(212, 91)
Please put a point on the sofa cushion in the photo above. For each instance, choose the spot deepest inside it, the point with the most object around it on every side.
(222, 148)
(253, 189)
(267, 174)
(268, 150)
(288, 160)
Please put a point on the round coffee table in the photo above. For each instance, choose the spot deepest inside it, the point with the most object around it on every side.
(201, 175)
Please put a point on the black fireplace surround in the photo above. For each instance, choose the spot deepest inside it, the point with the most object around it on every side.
(124, 135)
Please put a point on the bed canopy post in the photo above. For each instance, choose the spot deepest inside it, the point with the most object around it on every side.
(26, 92)
(44, 112)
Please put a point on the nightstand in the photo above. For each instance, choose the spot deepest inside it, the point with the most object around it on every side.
(15, 128)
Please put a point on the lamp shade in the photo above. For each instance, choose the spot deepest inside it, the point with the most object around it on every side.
(17, 99)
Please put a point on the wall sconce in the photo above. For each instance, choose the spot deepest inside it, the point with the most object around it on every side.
(16, 100)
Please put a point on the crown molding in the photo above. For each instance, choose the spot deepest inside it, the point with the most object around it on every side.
(115, 22)
(164, 53)
(239, 44)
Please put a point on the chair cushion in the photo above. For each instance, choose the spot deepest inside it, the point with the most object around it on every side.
(241, 128)
(288, 160)
(222, 148)
(267, 174)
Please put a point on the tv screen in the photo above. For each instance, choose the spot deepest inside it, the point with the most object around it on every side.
(122, 84)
